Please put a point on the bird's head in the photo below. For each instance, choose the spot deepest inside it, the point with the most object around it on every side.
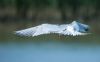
(80, 27)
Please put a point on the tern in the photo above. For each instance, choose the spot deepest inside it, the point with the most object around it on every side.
(75, 28)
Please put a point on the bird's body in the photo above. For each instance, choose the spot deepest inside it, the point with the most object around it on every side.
(73, 28)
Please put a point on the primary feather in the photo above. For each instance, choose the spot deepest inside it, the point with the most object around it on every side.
(74, 28)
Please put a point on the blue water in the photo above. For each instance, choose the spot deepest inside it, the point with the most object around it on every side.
(49, 52)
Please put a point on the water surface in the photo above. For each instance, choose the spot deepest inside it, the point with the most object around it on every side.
(50, 51)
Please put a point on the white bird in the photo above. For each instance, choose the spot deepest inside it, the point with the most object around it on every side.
(74, 28)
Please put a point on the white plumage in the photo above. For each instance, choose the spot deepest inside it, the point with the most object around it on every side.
(74, 28)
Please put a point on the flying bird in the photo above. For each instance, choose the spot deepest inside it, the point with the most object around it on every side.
(74, 29)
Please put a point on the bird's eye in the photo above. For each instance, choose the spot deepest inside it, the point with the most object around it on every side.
(86, 29)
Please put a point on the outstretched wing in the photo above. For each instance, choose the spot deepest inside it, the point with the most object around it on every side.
(26, 32)
(38, 30)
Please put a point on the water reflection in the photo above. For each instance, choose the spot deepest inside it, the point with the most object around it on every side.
(49, 52)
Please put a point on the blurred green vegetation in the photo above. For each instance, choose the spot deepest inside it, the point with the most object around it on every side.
(54, 9)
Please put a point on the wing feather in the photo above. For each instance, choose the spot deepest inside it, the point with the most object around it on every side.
(26, 32)
(38, 30)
